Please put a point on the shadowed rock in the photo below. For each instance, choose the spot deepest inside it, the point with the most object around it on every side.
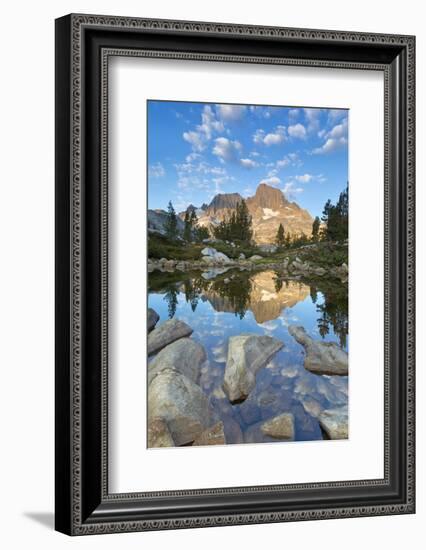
(335, 422)
(152, 319)
(280, 427)
(181, 403)
(321, 357)
(247, 354)
(212, 436)
(184, 356)
(165, 334)
(159, 434)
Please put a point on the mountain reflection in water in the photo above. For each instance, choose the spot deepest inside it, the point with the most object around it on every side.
(220, 305)
(264, 293)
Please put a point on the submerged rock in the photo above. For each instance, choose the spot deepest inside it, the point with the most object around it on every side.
(184, 356)
(335, 422)
(247, 354)
(165, 334)
(212, 436)
(181, 403)
(280, 427)
(321, 357)
(159, 434)
(152, 319)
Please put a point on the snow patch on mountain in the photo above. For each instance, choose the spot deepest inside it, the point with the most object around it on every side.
(269, 213)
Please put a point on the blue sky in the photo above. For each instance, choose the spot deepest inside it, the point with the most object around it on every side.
(196, 150)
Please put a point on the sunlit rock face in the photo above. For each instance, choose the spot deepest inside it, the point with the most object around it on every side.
(268, 208)
(266, 299)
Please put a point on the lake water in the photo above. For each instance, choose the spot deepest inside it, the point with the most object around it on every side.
(220, 305)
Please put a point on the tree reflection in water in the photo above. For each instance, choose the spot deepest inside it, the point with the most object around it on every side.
(236, 292)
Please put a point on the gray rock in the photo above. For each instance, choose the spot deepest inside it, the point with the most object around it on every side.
(212, 436)
(184, 356)
(242, 256)
(208, 251)
(321, 357)
(255, 257)
(181, 403)
(335, 422)
(280, 427)
(159, 434)
(320, 271)
(247, 353)
(152, 319)
(166, 333)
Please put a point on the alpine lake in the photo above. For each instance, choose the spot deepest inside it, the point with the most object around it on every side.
(223, 302)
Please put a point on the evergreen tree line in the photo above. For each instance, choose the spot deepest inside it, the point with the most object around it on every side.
(237, 227)
(335, 218)
(190, 230)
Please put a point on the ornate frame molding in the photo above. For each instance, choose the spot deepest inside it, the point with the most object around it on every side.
(72, 45)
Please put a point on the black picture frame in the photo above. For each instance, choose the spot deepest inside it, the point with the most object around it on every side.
(83, 45)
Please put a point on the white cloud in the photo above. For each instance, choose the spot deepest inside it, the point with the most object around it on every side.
(209, 123)
(336, 114)
(226, 149)
(248, 163)
(297, 131)
(291, 159)
(283, 162)
(192, 156)
(340, 130)
(276, 137)
(260, 111)
(335, 139)
(231, 112)
(196, 139)
(203, 132)
(258, 136)
(273, 138)
(273, 180)
(290, 190)
(254, 154)
(156, 170)
(304, 178)
(200, 168)
(330, 146)
(293, 113)
(312, 118)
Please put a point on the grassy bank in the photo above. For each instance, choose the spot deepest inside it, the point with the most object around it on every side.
(322, 254)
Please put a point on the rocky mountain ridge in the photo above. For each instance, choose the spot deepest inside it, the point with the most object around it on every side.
(268, 208)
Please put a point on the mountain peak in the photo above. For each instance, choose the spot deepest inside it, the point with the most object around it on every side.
(268, 197)
(225, 200)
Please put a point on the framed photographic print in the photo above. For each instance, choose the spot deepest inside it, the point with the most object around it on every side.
(234, 274)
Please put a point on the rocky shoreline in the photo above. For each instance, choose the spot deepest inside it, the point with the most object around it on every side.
(181, 414)
(211, 258)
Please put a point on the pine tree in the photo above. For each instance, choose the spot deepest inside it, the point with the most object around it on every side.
(280, 238)
(237, 227)
(315, 229)
(170, 225)
(243, 223)
(336, 218)
(187, 226)
(287, 240)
